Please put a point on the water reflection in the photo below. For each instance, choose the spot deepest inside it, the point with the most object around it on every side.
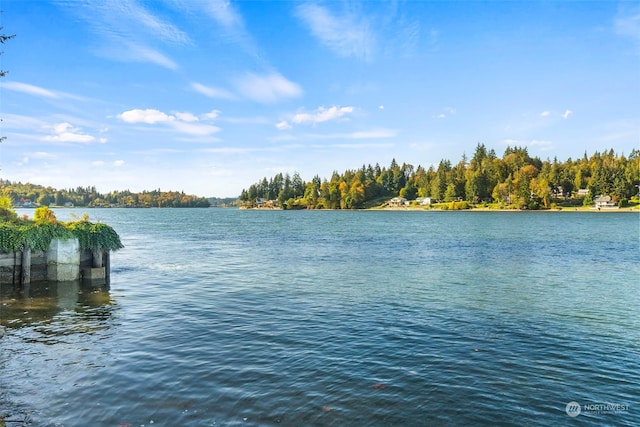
(44, 303)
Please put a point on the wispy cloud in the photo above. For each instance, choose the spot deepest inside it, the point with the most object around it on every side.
(224, 13)
(17, 121)
(566, 114)
(30, 89)
(619, 131)
(196, 129)
(267, 89)
(349, 35)
(356, 145)
(129, 19)
(138, 52)
(43, 155)
(212, 92)
(230, 23)
(128, 31)
(101, 163)
(34, 90)
(627, 24)
(371, 134)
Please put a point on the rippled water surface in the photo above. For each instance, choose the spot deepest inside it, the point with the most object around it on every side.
(223, 317)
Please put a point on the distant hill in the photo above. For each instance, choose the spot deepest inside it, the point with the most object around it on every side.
(33, 195)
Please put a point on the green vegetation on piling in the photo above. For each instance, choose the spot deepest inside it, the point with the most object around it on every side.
(19, 233)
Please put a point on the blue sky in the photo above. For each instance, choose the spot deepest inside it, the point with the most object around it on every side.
(208, 97)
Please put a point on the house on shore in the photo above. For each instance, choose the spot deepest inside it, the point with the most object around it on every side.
(265, 204)
(397, 202)
(604, 202)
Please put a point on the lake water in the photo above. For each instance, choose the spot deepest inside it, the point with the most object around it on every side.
(220, 317)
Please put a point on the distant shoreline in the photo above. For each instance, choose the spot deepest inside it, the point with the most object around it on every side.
(409, 208)
(423, 209)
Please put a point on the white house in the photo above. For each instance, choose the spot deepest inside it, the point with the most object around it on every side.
(397, 202)
(604, 202)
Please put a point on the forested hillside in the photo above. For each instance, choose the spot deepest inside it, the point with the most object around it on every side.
(37, 195)
(514, 180)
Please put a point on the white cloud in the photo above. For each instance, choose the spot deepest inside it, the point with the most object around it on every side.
(211, 115)
(65, 132)
(322, 114)
(187, 117)
(348, 35)
(267, 89)
(183, 122)
(283, 125)
(97, 163)
(545, 114)
(118, 163)
(197, 129)
(211, 92)
(566, 114)
(381, 107)
(149, 116)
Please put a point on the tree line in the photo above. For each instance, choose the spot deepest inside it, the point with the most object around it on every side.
(515, 180)
(37, 195)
